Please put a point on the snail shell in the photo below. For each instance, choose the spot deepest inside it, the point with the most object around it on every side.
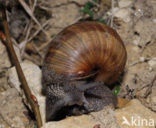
(87, 49)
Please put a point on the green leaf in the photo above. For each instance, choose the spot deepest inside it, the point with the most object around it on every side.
(35, 126)
(87, 11)
(117, 89)
(89, 5)
(101, 21)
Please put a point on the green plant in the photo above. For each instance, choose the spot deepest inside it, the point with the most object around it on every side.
(35, 126)
(101, 21)
(117, 89)
(88, 9)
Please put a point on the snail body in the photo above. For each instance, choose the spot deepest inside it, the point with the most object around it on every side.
(79, 57)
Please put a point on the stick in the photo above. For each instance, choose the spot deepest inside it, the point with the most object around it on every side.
(30, 13)
(33, 103)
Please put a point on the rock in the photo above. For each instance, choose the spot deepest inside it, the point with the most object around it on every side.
(143, 24)
(136, 78)
(83, 121)
(125, 3)
(33, 76)
(81, 2)
(140, 46)
(153, 103)
(4, 58)
(123, 14)
(131, 51)
(63, 16)
(137, 72)
(12, 110)
(58, 3)
(61, 20)
(152, 63)
(154, 20)
(122, 102)
(146, 33)
(151, 99)
(104, 118)
(136, 115)
(3, 81)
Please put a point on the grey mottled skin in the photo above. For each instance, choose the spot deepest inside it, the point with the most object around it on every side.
(61, 92)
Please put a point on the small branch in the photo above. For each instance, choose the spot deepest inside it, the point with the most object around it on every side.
(44, 45)
(7, 41)
(150, 87)
(142, 60)
(35, 33)
(112, 17)
(26, 40)
(23, 44)
(147, 92)
(30, 13)
(7, 123)
(146, 104)
(26, 56)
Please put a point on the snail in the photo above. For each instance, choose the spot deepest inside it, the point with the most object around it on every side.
(82, 59)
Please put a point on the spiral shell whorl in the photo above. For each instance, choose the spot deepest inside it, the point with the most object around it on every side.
(88, 47)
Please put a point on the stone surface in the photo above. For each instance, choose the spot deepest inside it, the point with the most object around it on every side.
(122, 102)
(146, 31)
(125, 3)
(73, 122)
(151, 99)
(57, 3)
(138, 72)
(104, 118)
(3, 81)
(33, 76)
(63, 15)
(12, 110)
(132, 50)
(123, 14)
(134, 110)
(138, 36)
(4, 58)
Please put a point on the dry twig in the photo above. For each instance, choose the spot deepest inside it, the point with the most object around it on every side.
(7, 41)
(30, 13)
(23, 43)
(149, 89)
(112, 17)
(142, 60)
(26, 56)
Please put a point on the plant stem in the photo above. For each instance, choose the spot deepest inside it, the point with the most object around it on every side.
(34, 105)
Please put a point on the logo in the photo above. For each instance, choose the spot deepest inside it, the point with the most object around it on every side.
(137, 121)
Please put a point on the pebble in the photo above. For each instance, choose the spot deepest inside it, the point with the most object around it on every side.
(12, 110)
(33, 76)
(134, 115)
